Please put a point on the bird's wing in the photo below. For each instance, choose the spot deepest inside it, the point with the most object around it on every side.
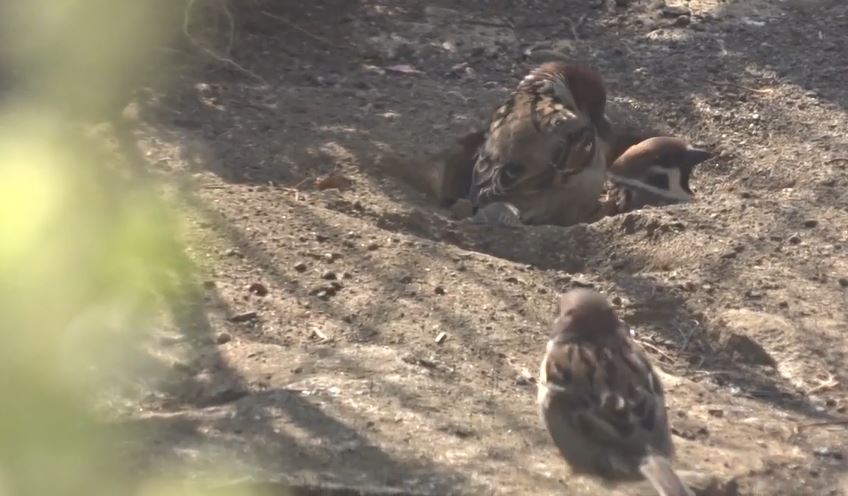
(610, 396)
(532, 137)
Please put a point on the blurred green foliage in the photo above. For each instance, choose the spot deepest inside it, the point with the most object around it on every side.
(87, 251)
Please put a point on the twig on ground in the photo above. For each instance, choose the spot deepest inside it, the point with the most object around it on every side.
(835, 160)
(302, 30)
(830, 383)
(488, 24)
(575, 27)
(655, 349)
(208, 51)
(822, 423)
(761, 91)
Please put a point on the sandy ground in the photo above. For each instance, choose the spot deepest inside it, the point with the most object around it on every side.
(311, 354)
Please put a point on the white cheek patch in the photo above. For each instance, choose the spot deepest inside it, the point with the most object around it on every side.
(675, 191)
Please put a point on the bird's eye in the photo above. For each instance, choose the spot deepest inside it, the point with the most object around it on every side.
(512, 170)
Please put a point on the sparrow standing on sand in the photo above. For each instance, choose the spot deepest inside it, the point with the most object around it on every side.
(601, 400)
(545, 151)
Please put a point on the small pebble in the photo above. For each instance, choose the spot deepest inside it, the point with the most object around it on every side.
(795, 239)
(441, 337)
(373, 246)
(675, 11)
(439, 290)
(329, 275)
(524, 380)
(244, 317)
(223, 337)
(258, 289)
(810, 223)
(332, 257)
(300, 266)
(843, 282)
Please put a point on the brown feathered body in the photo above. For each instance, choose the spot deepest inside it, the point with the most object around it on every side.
(601, 400)
(545, 150)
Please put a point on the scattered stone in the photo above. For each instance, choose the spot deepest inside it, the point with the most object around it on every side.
(373, 246)
(332, 257)
(795, 239)
(415, 359)
(223, 338)
(329, 275)
(244, 317)
(843, 282)
(439, 290)
(826, 452)
(716, 412)
(300, 266)
(441, 337)
(675, 11)
(232, 252)
(616, 300)
(321, 335)
(754, 294)
(457, 430)
(258, 289)
(325, 291)
(209, 284)
(810, 223)
(682, 21)
(622, 3)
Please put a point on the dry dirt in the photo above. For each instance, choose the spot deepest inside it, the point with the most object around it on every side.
(312, 354)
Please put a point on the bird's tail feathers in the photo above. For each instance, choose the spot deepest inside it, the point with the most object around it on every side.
(657, 469)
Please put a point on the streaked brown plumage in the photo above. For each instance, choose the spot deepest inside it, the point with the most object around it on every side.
(655, 171)
(544, 149)
(601, 400)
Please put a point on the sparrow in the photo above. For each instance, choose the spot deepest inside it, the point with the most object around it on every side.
(544, 149)
(655, 171)
(601, 400)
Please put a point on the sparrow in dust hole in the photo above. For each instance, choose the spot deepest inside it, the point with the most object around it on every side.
(544, 149)
(655, 171)
(602, 401)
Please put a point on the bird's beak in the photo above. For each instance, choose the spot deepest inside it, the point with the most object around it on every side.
(695, 156)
